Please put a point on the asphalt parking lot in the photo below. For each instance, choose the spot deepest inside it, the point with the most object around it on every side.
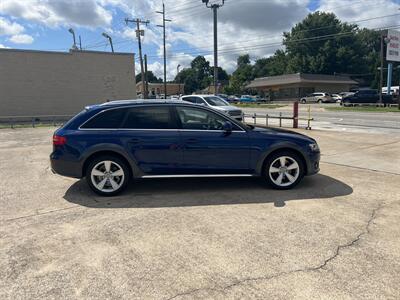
(335, 236)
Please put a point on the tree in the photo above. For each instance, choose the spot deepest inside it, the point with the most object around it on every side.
(189, 78)
(150, 77)
(199, 75)
(271, 66)
(242, 75)
(322, 44)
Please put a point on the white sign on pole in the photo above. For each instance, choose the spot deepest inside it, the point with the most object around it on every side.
(393, 46)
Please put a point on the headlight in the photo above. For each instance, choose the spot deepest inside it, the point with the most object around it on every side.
(314, 147)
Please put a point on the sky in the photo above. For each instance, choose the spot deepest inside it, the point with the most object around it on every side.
(244, 26)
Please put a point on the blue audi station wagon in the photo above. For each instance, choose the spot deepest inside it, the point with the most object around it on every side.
(112, 143)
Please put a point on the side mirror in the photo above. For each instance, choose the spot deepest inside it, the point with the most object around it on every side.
(227, 127)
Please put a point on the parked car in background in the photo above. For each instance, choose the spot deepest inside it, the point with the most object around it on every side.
(223, 96)
(317, 98)
(112, 143)
(233, 99)
(344, 94)
(247, 98)
(337, 98)
(216, 103)
(366, 96)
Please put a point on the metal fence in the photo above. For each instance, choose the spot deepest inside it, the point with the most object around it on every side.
(267, 117)
(33, 121)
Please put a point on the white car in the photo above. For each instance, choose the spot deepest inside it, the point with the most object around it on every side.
(216, 103)
(337, 97)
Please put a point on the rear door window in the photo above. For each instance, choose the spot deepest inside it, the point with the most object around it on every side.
(150, 117)
(189, 99)
(108, 119)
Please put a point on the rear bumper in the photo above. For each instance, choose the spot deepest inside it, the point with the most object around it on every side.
(65, 168)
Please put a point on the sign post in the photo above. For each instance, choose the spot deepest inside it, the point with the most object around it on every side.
(392, 54)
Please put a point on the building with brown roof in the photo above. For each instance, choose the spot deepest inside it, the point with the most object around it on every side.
(295, 86)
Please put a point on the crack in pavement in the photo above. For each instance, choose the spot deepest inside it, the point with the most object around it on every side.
(280, 274)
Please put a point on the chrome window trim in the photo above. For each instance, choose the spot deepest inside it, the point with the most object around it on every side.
(156, 105)
(154, 129)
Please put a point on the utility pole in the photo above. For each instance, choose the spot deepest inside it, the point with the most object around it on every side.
(110, 40)
(146, 91)
(215, 7)
(165, 51)
(80, 43)
(138, 34)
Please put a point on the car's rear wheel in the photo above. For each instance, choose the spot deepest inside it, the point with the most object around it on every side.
(283, 170)
(107, 175)
(303, 101)
(319, 101)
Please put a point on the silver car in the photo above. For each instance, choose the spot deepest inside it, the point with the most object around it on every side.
(318, 98)
(216, 103)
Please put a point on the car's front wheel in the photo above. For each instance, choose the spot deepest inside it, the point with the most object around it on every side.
(107, 175)
(283, 170)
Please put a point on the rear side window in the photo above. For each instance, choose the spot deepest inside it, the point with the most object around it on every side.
(109, 119)
(189, 99)
(149, 118)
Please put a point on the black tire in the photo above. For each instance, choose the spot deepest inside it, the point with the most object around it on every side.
(303, 101)
(116, 165)
(272, 160)
(346, 103)
(319, 101)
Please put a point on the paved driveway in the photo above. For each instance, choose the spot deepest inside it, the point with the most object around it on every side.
(335, 236)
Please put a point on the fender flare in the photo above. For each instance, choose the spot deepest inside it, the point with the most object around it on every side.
(106, 147)
(280, 145)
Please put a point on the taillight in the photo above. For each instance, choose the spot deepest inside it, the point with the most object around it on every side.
(59, 140)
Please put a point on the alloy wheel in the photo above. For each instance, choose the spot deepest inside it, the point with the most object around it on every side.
(284, 171)
(107, 176)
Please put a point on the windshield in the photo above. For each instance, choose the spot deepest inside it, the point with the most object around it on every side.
(215, 101)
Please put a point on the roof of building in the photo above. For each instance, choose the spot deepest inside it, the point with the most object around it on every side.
(299, 78)
(69, 52)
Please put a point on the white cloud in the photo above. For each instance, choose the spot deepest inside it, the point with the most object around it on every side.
(21, 39)
(362, 10)
(88, 13)
(3, 46)
(9, 28)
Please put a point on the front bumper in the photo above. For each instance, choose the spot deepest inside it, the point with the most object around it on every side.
(313, 163)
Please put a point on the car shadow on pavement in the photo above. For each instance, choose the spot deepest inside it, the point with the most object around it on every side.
(152, 193)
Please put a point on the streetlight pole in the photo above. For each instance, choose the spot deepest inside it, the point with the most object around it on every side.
(110, 40)
(177, 72)
(73, 36)
(215, 7)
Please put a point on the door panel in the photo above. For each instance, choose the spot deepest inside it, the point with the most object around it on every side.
(207, 149)
(152, 138)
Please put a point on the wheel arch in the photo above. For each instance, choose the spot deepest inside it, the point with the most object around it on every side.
(279, 148)
(112, 150)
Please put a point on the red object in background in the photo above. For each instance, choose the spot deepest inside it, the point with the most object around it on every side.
(296, 114)
(59, 140)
